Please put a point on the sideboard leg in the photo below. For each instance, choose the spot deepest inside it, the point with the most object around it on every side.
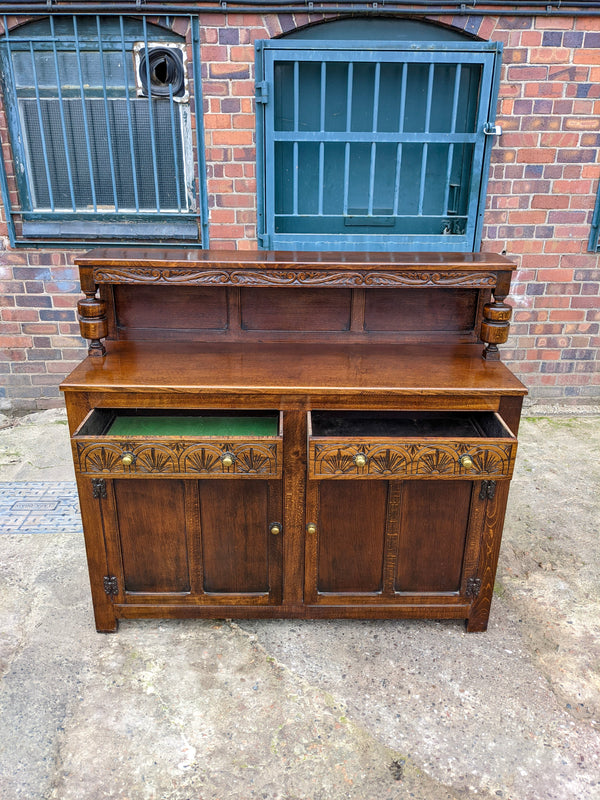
(478, 625)
(105, 619)
(488, 559)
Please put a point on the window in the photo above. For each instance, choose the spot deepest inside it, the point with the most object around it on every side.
(94, 150)
(594, 241)
(374, 145)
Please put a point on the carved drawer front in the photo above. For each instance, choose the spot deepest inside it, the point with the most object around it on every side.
(206, 444)
(384, 445)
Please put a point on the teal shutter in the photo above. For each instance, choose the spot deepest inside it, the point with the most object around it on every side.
(380, 147)
(594, 240)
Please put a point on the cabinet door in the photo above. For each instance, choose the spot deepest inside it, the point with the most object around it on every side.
(201, 542)
(385, 541)
(241, 543)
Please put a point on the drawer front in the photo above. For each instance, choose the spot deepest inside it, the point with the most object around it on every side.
(386, 458)
(109, 444)
(225, 459)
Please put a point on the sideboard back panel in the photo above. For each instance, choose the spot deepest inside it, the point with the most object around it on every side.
(193, 313)
(398, 310)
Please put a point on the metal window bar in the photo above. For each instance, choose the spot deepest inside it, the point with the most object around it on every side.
(401, 114)
(41, 124)
(296, 124)
(426, 144)
(129, 122)
(151, 116)
(373, 154)
(85, 116)
(349, 95)
(174, 139)
(107, 117)
(59, 148)
(63, 124)
(456, 91)
(323, 79)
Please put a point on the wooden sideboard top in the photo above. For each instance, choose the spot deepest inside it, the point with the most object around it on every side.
(294, 369)
(182, 259)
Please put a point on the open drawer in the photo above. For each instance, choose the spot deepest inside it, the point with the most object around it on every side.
(143, 442)
(409, 444)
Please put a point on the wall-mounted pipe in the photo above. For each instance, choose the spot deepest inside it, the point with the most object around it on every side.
(497, 8)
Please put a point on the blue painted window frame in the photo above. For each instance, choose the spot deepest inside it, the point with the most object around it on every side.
(268, 52)
(183, 223)
(594, 240)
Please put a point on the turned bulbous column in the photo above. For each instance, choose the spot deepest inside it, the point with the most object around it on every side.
(92, 322)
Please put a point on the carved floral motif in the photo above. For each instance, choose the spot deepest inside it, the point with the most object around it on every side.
(403, 459)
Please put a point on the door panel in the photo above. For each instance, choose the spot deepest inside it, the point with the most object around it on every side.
(432, 537)
(351, 534)
(235, 536)
(152, 529)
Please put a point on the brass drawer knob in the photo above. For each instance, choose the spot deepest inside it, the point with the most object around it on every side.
(227, 460)
(311, 528)
(127, 459)
(360, 460)
(467, 462)
(275, 528)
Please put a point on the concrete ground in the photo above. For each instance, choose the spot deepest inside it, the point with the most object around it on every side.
(295, 710)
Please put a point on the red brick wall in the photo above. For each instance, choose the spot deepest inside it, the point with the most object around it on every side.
(542, 190)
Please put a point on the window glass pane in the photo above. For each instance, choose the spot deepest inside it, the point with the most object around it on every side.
(469, 98)
(308, 177)
(284, 96)
(68, 70)
(363, 92)
(384, 183)
(99, 155)
(390, 97)
(309, 88)
(336, 97)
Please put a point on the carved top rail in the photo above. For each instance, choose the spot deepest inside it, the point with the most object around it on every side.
(169, 267)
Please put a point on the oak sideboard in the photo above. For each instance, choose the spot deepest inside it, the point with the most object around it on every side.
(308, 435)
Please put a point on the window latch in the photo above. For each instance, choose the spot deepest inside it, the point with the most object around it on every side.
(492, 130)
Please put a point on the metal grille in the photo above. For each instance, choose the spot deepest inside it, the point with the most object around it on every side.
(375, 147)
(87, 144)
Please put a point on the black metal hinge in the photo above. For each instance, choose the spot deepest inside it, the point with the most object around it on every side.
(111, 587)
(488, 490)
(99, 488)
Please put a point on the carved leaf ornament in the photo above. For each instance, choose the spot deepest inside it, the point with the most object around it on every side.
(291, 277)
(180, 457)
(405, 460)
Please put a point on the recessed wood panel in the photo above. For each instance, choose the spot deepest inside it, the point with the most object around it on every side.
(296, 309)
(151, 519)
(420, 309)
(351, 533)
(170, 308)
(435, 518)
(235, 536)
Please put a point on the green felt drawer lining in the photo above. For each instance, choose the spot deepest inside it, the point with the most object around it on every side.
(124, 425)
